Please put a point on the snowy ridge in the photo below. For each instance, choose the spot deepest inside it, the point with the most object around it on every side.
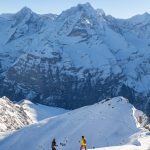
(15, 116)
(108, 123)
(39, 112)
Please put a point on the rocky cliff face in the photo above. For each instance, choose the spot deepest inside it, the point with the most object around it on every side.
(12, 116)
(76, 58)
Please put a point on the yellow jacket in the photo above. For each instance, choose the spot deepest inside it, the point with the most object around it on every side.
(83, 142)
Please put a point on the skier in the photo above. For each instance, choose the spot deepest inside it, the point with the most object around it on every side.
(54, 144)
(83, 143)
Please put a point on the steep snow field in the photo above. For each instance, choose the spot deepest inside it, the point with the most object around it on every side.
(108, 123)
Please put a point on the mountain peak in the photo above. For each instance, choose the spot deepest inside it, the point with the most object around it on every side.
(85, 7)
(76, 12)
(25, 11)
(146, 14)
(80, 7)
(142, 18)
(100, 12)
(25, 8)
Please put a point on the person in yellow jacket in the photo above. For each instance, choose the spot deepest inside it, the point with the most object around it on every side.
(83, 143)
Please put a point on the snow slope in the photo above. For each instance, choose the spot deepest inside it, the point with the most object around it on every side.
(14, 116)
(39, 112)
(144, 140)
(108, 123)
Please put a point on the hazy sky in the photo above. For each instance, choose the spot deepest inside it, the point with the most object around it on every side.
(117, 8)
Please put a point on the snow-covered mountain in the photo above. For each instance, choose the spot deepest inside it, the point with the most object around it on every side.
(76, 58)
(107, 123)
(15, 116)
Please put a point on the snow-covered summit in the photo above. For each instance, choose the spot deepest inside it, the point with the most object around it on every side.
(24, 11)
(77, 20)
(100, 12)
(25, 14)
(143, 18)
(107, 123)
(82, 8)
(86, 6)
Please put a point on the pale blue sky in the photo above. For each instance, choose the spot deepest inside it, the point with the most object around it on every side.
(117, 8)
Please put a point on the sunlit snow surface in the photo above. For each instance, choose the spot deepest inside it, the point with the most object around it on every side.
(39, 112)
(108, 123)
(144, 139)
(14, 116)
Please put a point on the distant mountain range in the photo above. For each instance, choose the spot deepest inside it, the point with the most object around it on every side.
(76, 58)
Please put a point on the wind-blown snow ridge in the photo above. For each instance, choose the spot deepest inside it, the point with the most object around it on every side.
(108, 123)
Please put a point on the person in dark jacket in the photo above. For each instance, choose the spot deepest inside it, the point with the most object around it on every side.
(54, 144)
